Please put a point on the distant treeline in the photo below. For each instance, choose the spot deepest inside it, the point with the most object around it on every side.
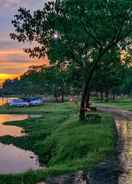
(109, 81)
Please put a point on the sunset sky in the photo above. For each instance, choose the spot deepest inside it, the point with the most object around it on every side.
(13, 61)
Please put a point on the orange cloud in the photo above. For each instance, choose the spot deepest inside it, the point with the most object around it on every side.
(6, 76)
(14, 62)
(12, 51)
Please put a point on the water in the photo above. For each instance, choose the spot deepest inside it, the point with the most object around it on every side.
(13, 159)
(125, 150)
(4, 100)
(8, 129)
(123, 121)
(16, 160)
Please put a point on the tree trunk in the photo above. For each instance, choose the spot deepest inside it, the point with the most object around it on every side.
(56, 97)
(62, 96)
(96, 94)
(101, 96)
(114, 97)
(87, 86)
(106, 96)
(83, 100)
(86, 177)
(88, 100)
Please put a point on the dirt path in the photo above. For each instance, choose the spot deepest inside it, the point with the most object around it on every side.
(123, 121)
(111, 171)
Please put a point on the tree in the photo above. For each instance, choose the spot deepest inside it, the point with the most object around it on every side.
(51, 80)
(55, 82)
(85, 31)
(108, 78)
(30, 83)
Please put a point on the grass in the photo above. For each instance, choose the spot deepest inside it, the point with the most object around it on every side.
(123, 103)
(63, 143)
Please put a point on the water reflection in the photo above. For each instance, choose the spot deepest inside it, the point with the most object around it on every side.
(15, 160)
(4, 100)
(11, 130)
(123, 121)
(125, 150)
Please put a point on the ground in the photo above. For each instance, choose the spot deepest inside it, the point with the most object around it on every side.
(122, 103)
(63, 143)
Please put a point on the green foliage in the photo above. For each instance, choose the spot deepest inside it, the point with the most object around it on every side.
(54, 80)
(108, 78)
(80, 32)
(122, 103)
(81, 26)
(30, 83)
(62, 142)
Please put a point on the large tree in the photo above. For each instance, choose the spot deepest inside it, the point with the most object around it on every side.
(108, 78)
(79, 31)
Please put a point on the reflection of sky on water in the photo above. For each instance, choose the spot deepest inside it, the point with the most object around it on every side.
(15, 160)
(11, 130)
(125, 130)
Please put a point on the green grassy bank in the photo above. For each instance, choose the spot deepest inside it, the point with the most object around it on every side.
(63, 143)
(123, 103)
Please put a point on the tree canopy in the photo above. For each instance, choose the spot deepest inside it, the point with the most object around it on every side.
(78, 31)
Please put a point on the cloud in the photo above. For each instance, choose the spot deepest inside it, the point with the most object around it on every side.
(25, 3)
(15, 61)
(12, 55)
(9, 3)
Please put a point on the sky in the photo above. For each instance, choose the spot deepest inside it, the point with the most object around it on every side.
(13, 60)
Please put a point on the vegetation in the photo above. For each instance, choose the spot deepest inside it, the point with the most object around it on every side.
(48, 81)
(63, 143)
(122, 103)
(96, 27)
(84, 41)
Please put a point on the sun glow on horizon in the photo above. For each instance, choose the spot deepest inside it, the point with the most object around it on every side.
(4, 76)
(15, 62)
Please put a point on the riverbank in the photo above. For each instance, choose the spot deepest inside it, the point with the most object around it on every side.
(62, 142)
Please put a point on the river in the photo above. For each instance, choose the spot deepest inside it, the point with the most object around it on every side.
(5, 100)
(12, 158)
